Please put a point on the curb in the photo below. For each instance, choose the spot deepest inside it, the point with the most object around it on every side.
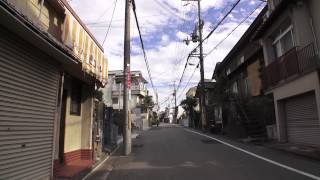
(119, 141)
(100, 164)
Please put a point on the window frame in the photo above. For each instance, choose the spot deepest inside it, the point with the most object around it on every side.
(280, 37)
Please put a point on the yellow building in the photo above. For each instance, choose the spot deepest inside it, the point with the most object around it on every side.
(50, 66)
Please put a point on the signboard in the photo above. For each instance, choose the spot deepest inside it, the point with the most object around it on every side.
(129, 79)
(84, 48)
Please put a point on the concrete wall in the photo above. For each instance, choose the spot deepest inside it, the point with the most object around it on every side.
(302, 29)
(145, 121)
(307, 83)
(50, 19)
(301, 25)
(107, 92)
(315, 19)
(301, 16)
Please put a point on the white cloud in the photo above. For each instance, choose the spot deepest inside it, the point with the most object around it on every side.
(165, 39)
(167, 58)
(181, 35)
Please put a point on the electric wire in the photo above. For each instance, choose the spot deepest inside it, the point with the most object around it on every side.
(219, 23)
(185, 87)
(104, 13)
(211, 32)
(240, 23)
(106, 35)
(143, 49)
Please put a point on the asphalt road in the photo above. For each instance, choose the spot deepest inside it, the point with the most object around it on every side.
(174, 153)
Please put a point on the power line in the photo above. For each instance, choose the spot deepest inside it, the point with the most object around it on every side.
(220, 22)
(211, 32)
(189, 80)
(105, 12)
(97, 22)
(220, 44)
(143, 49)
(114, 8)
(243, 20)
(168, 10)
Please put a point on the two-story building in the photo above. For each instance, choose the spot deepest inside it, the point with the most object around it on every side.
(290, 36)
(50, 66)
(239, 88)
(113, 95)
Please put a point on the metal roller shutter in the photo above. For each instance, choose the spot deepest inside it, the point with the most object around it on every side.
(303, 121)
(28, 90)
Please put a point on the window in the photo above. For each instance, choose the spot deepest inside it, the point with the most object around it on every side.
(75, 105)
(283, 39)
(114, 100)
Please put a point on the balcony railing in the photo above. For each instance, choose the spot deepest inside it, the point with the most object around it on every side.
(295, 62)
(135, 89)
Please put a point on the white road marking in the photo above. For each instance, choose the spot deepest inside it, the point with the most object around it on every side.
(94, 169)
(259, 157)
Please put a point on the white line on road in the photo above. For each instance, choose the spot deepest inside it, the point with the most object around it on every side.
(100, 164)
(260, 157)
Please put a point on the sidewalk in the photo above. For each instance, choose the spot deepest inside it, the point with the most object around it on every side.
(99, 172)
(300, 150)
(306, 151)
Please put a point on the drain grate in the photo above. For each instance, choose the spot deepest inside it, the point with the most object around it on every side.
(209, 141)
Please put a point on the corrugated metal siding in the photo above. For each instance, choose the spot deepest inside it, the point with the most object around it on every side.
(302, 119)
(28, 88)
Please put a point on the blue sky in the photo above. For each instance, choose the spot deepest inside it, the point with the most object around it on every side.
(164, 25)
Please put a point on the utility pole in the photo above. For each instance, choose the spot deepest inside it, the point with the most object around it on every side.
(175, 103)
(202, 95)
(202, 91)
(127, 78)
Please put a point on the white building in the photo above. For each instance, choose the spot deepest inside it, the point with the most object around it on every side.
(113, 95)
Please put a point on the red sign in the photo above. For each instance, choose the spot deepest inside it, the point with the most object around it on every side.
(129, 79)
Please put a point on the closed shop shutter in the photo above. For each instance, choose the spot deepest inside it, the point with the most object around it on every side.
(302, 119)
(28, 90)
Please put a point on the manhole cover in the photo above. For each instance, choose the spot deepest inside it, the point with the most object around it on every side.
(209, 141)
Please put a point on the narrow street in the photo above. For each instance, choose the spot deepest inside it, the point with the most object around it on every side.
(159, 89)
(172, 152)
